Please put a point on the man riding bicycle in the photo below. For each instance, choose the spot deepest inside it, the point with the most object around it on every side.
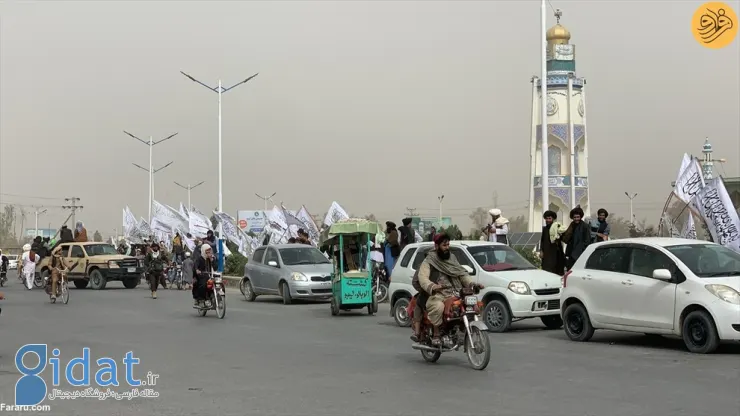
(58, 266)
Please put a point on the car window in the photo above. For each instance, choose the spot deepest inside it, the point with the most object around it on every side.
(708, 260)
(462, 258)
(421, 254)
(271, 255)
(65, 250)
(609, 259)
(77, 252)
(258, 254)
(407, 257)
(644, 262)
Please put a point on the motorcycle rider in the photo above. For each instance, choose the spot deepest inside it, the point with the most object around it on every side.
(203, 270)
(155, 263)
(441, 277)
(27, 265)
(4, 262)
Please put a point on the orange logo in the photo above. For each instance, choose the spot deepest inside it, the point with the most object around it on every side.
(714, 25)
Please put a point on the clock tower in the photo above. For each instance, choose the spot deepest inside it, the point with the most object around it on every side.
(567, 141)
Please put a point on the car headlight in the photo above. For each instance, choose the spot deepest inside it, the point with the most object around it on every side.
(520, 288)
(725, 293)
(298, 277)
(112, 264)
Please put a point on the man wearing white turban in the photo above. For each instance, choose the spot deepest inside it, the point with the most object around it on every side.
(28, 266)
(498, 229)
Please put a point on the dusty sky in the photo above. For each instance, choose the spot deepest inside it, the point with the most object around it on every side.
(378, 105)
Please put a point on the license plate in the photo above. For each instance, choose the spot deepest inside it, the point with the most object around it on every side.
(132, 269)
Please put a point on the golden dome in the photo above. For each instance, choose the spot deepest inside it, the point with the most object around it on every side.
(558, 34)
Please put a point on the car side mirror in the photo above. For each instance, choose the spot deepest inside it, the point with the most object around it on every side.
(468, 269)
(662, 274)
(272, 263)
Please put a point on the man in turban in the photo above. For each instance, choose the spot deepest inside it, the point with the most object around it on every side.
(407, 234)
(498, 229)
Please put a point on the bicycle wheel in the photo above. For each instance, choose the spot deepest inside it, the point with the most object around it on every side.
(65, 292)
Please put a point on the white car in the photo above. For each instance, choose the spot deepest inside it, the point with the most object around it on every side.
(665, 286)
(12, 261)
(514, 288)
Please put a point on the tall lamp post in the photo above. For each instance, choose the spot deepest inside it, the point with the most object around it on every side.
(219, 90)
(151, 143)
(632, 215)
(544, 177)
(37, 213)
(151, 184)
(266, 198)
(189, 188)
(440, 198)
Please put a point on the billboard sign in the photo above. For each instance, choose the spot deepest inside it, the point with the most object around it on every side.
(43, 232)
(251, 221)
(424, 225)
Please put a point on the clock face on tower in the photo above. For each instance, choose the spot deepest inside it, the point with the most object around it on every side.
(552, 106)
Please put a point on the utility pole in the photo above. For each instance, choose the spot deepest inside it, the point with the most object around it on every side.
(36, 213)
(189, 188)
(411, 212)
(632, 215)
(495, 199)
(440, 198)
(73, 207)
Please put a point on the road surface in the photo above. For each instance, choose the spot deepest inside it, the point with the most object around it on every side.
(268, 359)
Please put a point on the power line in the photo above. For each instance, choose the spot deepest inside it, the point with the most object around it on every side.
(73, 207)
(31, 196)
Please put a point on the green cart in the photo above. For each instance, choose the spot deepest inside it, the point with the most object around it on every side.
(352, 281)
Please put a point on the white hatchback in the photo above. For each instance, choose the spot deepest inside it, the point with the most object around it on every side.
(514, 288)
(671, 286)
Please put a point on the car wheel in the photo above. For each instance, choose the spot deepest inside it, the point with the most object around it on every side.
(497, 317)
(81, 283)
(400, 312)
(552, 321)
(577, 323)
(285, 290)
(130, 283)
(97, 281)
(699, 333)
(249, 291)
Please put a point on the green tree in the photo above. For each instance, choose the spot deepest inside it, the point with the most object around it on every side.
(7, 225)
(480, 218)
(97, 237)
(518, 224)
(453, 232)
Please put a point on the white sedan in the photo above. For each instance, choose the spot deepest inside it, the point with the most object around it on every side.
(12, 261)
(670, 286)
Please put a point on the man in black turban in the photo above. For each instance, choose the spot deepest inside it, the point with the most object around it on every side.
(408, 235)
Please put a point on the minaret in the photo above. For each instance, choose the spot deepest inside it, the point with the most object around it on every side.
(707, 165)
(567, 144)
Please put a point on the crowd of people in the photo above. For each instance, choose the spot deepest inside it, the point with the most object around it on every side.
(560, 246)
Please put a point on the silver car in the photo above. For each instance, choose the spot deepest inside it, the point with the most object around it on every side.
(291, 271)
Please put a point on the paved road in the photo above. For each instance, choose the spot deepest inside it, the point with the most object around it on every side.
(270, 359)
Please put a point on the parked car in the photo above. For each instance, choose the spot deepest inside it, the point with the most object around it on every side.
(514, 288)
(96, 264)
(291, 271)
(667, 286)
(12, 261)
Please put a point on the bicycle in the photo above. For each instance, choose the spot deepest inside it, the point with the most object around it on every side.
(62, 288)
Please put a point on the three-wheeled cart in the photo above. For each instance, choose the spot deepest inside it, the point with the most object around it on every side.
(352, 281)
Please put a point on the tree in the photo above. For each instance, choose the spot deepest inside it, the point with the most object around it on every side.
(371, 217)
(480, 218)
(453, 232)
(518, 224)
(640, 229)
(97, 237)
(7, 225)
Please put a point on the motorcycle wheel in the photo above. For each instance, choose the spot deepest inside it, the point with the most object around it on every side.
(2, 282)
(382, 292)
(431, 357)
(202, 312)
(220, 306)
(480, 355)
(38, 281)
(179, 282)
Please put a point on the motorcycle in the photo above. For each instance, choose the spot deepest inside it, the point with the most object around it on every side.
(215, 297)
(380, 282)
(461, 326)
(3, 274)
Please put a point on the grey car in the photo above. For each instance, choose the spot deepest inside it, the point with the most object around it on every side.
(291, 271)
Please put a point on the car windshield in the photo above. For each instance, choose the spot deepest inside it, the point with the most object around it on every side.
(100, 249)
(493, 258)
(302, 255)
(12, 257)
(708, 260)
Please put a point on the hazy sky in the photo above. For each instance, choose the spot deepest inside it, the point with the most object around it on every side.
(378, 105)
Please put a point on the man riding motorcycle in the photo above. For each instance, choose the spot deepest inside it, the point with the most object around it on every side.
(155, 262)
(203, 270)
(441, 277)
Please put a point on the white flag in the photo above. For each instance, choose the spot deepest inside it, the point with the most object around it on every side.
(199, 224)
(311, 228)
(685, 162)
(690, 182)
(713, 203)
(228, 225)
(689, 230)
(184, 211)
(336, 213)
(170, 217)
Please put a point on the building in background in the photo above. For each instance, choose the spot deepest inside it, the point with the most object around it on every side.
(43, 232)
(424, 225)
(567, 143)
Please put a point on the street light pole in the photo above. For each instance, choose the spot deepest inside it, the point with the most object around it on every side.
(440, 198)
(189, 188)
(37, 213)
(266, 198)
(632, 215)
(151, 143)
